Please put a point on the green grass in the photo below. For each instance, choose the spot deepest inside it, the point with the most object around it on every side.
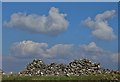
(83, 77)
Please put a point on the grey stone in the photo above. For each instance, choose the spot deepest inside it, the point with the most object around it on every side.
(77, 67)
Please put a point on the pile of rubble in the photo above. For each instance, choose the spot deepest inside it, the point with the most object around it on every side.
(76, 67)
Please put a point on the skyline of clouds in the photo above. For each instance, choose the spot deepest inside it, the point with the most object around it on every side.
(30, 49)
(34, 49)
(53, 24)
(100, 26)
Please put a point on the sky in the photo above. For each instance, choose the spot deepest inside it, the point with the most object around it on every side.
(60, 0)
(59, 32)
(1, 36)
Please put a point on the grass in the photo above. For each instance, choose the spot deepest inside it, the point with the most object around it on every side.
(83, 77)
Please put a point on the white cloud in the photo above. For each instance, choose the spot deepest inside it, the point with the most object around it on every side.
(34, 49)
(60, 49)
(53, 24)
(92, 48)
(28, 48)
(100, 27)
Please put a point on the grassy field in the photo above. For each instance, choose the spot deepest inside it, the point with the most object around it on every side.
(83, 77)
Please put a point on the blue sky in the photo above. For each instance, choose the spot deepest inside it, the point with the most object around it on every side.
(76, 33)
(60, 1)
(1, 36)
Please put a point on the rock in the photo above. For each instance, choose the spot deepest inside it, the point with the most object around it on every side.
(77, 67)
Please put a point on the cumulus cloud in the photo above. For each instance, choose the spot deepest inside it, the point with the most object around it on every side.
(60, 49)
(93, 52)
(53, 24)
(30, 49)
(34, 49)
(100, 27)
(92, 48)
